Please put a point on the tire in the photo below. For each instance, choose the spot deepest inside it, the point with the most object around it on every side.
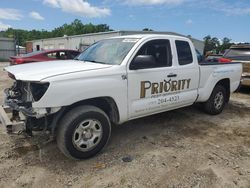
(216, 102)
(83, 132)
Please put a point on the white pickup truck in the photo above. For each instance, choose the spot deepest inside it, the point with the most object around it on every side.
(113, 81)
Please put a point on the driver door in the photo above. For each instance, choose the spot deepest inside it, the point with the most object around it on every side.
(148, 87)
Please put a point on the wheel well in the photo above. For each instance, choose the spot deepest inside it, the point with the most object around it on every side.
(226, 84)
(107, 104)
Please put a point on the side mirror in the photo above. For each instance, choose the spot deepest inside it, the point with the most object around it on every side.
(142, 62)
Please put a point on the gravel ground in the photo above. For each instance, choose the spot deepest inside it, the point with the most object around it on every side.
(181, 148)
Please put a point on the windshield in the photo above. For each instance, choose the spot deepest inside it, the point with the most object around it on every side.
(109, 51)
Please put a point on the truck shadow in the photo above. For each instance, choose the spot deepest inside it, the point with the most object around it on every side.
(134, 138)
(245, 90)
(171, 125)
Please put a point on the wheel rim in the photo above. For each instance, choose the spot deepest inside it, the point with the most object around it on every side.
(87, 135)
(218, 100)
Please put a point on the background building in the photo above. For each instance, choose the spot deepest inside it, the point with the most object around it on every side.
(7, 48)
(80, 42)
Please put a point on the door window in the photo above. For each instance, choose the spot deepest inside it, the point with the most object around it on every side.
(160, 50)
(184, 52)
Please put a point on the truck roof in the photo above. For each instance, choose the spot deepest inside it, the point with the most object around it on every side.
(145, 36)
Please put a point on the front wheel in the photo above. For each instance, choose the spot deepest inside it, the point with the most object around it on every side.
(216, 102)
(83, 132)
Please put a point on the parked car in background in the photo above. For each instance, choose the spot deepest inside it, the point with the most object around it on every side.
(46, 55)
(241, 53)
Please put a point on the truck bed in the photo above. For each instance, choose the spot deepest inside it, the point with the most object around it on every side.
(206, 63)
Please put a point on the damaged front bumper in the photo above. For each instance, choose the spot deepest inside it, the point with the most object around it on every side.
(18, 115)
(14, 112)
(12, 120)
(19, 106)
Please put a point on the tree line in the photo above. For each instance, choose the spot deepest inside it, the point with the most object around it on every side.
(215, 46)
(74, 28)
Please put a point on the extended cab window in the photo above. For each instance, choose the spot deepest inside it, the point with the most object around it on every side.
(160, 50)
(184, 52)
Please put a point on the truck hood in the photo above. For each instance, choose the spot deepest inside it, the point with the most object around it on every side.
(41, 70)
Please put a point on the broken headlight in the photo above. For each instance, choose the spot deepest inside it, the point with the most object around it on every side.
(38, 90)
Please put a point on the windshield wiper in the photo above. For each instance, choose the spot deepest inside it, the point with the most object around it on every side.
(93, 61)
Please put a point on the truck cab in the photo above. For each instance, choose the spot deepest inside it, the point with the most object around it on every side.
(166, 69)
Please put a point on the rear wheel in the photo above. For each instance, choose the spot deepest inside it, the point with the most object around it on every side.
(83, 132)
(216, 102)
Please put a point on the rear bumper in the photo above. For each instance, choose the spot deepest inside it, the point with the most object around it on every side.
(13, 125)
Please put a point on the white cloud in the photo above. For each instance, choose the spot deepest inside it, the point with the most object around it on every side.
(189, 22)
(78, 7)
(36, 15)
(3, 26)
(52, 3)
(10, 14)
(236, 11)
(131, 16)
(154, 2)
(225, 7)
(228, 8)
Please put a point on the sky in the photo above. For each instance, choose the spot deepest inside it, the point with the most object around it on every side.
(198, 18)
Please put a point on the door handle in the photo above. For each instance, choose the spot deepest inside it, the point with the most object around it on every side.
(171, 75)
